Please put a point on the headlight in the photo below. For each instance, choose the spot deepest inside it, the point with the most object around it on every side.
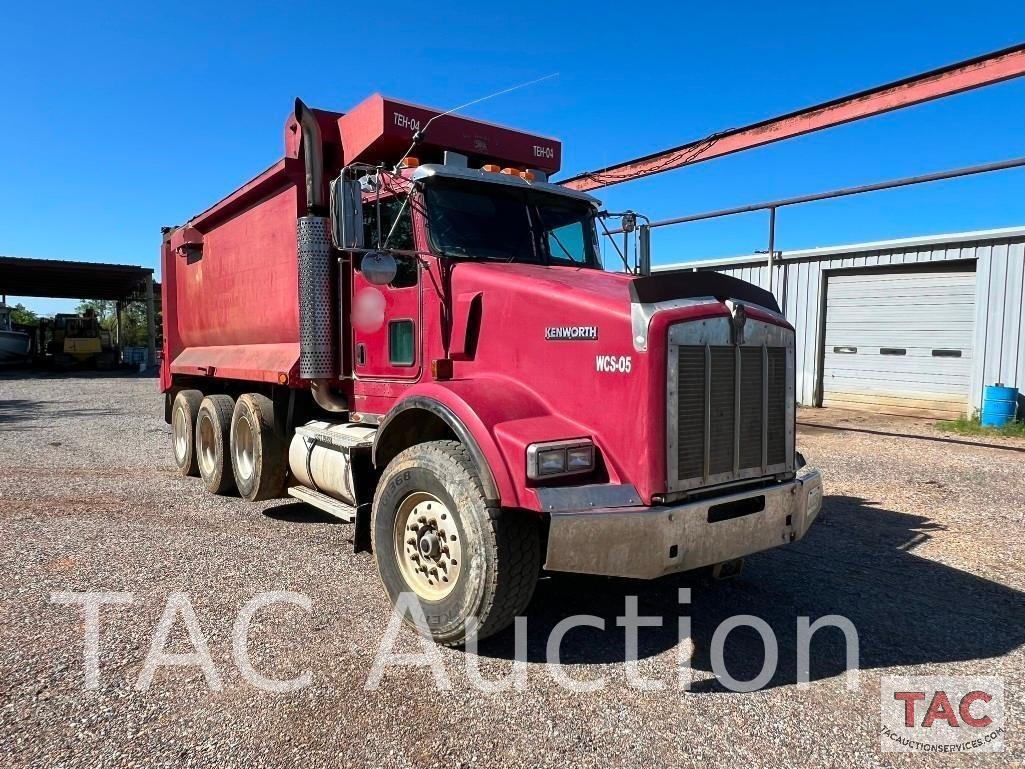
(555, 458)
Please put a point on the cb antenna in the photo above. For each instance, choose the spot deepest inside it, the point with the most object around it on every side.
(418, 136)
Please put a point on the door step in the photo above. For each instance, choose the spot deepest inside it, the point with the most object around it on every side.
(329, 505)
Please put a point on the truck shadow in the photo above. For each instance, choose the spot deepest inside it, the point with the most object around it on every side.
(27, 373)
(25, 414)
(856, 562)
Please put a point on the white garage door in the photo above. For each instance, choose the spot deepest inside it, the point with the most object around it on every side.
(900, 342)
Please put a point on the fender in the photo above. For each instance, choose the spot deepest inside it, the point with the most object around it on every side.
(467, 407)
(422, 403)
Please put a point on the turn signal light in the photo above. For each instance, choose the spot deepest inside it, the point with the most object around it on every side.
(511, 171)
(527, 175)
(491, 168)
(409, 162)
(441, 368)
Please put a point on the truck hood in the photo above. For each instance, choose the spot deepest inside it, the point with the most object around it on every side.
(615, 291)
(591, 290)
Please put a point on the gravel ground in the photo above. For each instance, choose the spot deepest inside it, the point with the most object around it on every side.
(920, 545)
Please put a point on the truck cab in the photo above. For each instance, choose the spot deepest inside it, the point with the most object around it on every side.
(470, 385)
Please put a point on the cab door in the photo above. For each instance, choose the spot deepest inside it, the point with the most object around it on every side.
(387, 320)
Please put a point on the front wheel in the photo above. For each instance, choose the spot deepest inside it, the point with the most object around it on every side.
(436, 541)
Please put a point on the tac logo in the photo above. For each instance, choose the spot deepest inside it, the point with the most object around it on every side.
(942, 714)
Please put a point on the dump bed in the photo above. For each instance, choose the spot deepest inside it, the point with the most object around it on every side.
(230, 274)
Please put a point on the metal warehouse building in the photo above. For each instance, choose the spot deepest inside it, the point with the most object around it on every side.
(914, 326)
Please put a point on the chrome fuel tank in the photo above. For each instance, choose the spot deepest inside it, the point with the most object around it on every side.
(320, 456)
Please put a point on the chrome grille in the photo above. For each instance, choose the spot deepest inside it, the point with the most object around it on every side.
(777, 396)
(690, 455)
(723, 401)
(730, 406)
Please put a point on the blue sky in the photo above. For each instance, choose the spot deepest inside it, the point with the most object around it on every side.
(117, 119)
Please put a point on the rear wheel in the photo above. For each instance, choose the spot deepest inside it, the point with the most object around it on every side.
(213, 429)
(183, 430)
(259, 457)
(437, 541)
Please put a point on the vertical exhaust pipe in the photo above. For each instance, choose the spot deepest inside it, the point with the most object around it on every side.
(313, 157)
(318, 349)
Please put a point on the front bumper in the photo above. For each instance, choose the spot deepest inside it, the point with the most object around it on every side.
(648, 542)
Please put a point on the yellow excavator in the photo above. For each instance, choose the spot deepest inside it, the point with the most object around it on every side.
(79, 340)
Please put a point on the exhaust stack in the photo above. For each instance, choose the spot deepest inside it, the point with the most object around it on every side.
(318, 349)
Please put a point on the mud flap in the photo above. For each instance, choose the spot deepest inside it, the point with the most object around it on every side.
(361, 540)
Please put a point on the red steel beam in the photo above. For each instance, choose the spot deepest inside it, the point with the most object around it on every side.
(955, 78)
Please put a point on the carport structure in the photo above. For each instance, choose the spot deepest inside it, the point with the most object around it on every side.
(60, 279)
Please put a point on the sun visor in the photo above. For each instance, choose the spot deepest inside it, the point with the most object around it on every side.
(687, 284)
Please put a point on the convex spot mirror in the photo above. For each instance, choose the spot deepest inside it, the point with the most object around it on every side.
(379, 267)
(346, 213)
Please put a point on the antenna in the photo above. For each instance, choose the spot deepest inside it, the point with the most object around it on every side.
(418, 136)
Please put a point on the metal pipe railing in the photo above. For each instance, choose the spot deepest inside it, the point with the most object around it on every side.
(644, 230)
(1002, 165)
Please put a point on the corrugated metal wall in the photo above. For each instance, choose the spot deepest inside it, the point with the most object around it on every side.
(999, 257)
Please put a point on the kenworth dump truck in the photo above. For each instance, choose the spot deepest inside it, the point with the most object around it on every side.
(404, 323)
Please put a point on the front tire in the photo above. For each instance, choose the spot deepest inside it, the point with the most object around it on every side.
(259, 457)
(184, 412)
(436, 539)
(213, 430)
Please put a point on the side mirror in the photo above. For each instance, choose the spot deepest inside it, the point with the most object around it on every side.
(379, 268)
(346, 214)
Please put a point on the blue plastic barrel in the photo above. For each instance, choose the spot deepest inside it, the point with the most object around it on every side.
(998, 405)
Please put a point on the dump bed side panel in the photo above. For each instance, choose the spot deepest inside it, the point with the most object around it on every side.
(243, 290)
(232, 300)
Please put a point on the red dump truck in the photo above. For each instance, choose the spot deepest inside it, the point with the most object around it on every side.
(404, 323)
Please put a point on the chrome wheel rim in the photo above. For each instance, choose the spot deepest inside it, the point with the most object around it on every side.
(180, 436)
(206, 449)
(243, 448)
(428, 546)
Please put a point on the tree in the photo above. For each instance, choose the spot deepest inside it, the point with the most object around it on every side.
(23, 316)
(133, 319)
(103, 309)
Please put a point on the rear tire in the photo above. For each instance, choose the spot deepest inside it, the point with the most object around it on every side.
(183, 431)
(259, 457)
(213, 430)
(430, 521)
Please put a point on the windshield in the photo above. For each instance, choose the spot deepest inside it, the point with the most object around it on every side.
(491, 221)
